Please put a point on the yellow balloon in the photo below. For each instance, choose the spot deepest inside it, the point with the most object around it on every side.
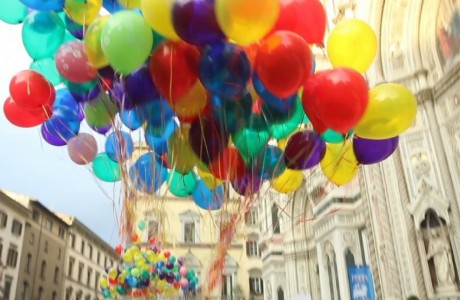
(131, 3)
(208, 178)
(93, 43)
(180, 153)
(352, 43)
(247, 21)
(158, 13)
(339, 164)
(193, 103)
(289, 181)
(391, 110)
(103, 283)
(83, 12)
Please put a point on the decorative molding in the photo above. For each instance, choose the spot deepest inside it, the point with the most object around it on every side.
(424, 95)
(447, 81)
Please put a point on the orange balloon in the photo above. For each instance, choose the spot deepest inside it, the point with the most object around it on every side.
(189, 107)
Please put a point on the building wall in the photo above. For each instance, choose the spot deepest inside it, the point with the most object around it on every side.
(10, 243)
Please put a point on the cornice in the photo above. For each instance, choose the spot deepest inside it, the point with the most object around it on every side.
(446, 81)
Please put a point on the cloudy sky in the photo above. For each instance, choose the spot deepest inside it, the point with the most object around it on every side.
(30, 166)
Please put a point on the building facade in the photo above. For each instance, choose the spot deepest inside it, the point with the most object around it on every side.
(395, 232)
(13, 218)
(87, 256)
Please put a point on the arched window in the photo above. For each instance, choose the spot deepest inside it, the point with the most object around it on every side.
(349, 258)
(28, 262)
(280, 294)
(275, 219)
(25, 290)
(56, 275)
(332, 272)
(43, 269)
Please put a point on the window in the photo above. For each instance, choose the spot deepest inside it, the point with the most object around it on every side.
(98, 257)
(48, 225)
(61, 232)
(80, 271)
(252, 249)
(275, 219)
(227, 286)
(3, 219)
(88, 278)
(105, 261)
(72, 240)
(82, 248)
(16, 229)
(40, 293)
(28, 262)
(56, 275)
(153, 229)
(12, 258)
(189, 232)
(43, 270)
(54, 295)
(59, 253)
(46, 247)
(25, 290)
(90, 251)
(7, 287)
(251, 217)
(32, 238)
(96, 281)
(256, 286)
(1, 248)
(35, 215)
(71, 264)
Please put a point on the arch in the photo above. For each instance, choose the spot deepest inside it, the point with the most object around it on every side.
(280, 293)
(432, 220)
(349, 258)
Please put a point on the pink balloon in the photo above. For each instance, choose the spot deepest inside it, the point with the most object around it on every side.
(72, 63)
(183, 283)
(183, 271)
(82, 148)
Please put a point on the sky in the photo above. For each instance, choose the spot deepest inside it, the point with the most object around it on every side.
(30, 166)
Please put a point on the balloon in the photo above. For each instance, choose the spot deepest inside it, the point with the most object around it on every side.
(304, 150)
(208, 178)
(83, 12)
(96, 56)
(180, 154)
(225, 70)
(353, 44)
(72, 63)
(233, 114)
(249, 142)
(100, 112)
(21, 117)
(147, 174)
(374, 151)
(106, 169)
(269, 164)
(182, 185)
(47, 68)
(132, 118)
(339, 164)
(207, 139)
(12, 12)
(340, 97)
(82, 148)
(195, 22)
(61, 127)
(248, 185)
(208, 199)
(174, 69)
(307, 18)
(289, 181)
(330, 136)
(192, 105)
(31, 90)
(75, 29)
(126, 31)
(228, 166)
(392, 110)
(131, 3)
(119, 146)
(246, 22)
(283, 130)
(45, 5)
(283, 63)
(158, 13)
(157, 139)
(42, 34)
(157, 112)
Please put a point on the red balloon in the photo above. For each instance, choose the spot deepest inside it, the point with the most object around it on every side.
(283, 63)
(340, 97)
(307, 18)
(229, 165)
(21, 117)
(309, 106)
(134, 237)
(72, 63)
(167, 254)
(119, 249)
(31, 90)
(174, 69)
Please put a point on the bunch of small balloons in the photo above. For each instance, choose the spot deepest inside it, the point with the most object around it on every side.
(222, 91)
(148, 272)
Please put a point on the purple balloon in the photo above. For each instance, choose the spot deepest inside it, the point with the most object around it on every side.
(374, 151)
(304, 150)
(50, 138)
(90, 95)
(195, 22)
(248, 185)
(207, 139)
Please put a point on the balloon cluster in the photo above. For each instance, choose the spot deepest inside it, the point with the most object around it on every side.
(148, 272)
(219, 88)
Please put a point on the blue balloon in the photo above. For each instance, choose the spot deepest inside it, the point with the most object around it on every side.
(58, 130)
(132, 117)
(44, 5)
(66, 104)
(225, 70)
(157, 112)
(231, 114)
(271, 100)
(206, 198)
(112, 6)
(75, 29)
(157, 137)
(147, 174)
(269, 164)
(132, 281)
(119, 146)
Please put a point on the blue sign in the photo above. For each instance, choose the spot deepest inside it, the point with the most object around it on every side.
(361, 283)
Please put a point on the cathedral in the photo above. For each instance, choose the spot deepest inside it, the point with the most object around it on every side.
(394, 232)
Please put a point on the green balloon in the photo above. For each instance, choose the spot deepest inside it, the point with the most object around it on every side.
(280, 131)
(80, 88)
(100, 112)
(126, 41)
(106, 169)
(12, 11)
(182, 185)
(42, 34)
(249, 142)
(47, 68)
(330, 136)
